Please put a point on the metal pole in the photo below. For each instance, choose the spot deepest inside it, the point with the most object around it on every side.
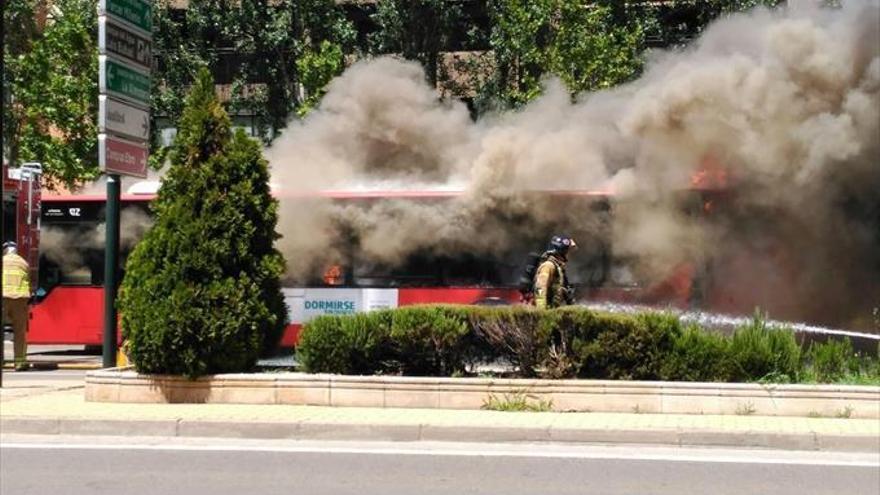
(111, 269)
(2, 142)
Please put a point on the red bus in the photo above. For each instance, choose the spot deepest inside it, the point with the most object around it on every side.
(69, 306)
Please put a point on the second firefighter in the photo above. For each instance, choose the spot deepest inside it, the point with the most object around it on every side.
(551, 286)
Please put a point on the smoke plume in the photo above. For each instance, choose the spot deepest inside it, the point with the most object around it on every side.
(779, 109)
(75, 248)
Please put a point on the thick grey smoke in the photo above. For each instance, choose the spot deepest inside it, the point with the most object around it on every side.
(68, 247)
(786, 104)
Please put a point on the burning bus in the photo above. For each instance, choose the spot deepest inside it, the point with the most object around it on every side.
(69, 306)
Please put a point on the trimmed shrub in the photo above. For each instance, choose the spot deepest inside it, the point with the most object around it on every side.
(358, 344)
(761, 352)
(512, 333)
(430, 340)
(560, 343)
(833, 359)
(565, 331)
(201, 292)
(699, 356)
(626, 347)
(324, 346)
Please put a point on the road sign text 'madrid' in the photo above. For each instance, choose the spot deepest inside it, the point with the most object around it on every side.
(120, 118)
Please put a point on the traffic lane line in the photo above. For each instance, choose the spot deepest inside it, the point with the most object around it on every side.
(628, 453)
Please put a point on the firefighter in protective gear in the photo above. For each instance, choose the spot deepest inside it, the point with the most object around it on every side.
(16, 293)
(551, 282)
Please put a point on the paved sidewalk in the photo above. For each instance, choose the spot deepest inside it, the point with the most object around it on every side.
(52, 357)
(63, 410)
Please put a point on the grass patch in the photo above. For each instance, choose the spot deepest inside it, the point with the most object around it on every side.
(745, 409)
(517, 401)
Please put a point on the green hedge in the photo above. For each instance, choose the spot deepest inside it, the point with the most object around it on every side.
(441, 340)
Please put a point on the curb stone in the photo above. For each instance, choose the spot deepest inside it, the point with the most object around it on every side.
(124, 385)
(428, 432)
(151, 428)
(849, 443)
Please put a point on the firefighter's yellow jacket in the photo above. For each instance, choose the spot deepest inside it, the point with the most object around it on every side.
(550, 283)
(15, 277)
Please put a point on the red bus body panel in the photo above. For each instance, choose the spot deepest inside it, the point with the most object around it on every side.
(74, 315)
(454, 295)
(291, 335)
(68, 315)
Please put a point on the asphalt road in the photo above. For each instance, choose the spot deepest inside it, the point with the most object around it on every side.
(101, 465)
(12, 378)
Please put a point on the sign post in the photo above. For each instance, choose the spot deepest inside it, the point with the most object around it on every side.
(125, 57)
(111, 270)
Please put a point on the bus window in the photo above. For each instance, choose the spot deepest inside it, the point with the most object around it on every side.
(70, 254)
(470, 271)
(425, 270)
(72, 241)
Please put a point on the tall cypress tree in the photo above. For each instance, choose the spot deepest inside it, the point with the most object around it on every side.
(201, 292)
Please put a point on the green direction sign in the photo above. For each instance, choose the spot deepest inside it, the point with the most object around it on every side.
(123, 81)
(138, 13)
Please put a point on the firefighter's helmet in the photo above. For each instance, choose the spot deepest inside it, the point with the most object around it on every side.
(561, 244)
(9, 247)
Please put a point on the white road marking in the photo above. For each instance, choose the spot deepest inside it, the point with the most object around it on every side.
(747, 457)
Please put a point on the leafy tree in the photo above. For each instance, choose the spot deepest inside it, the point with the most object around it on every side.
(317, 67)
(202, 292)
(183, 42)
(417, 30)
(677, 23)
(51, 82)
(581, 44)
(257, 47)
(23, 15)
(290, 44)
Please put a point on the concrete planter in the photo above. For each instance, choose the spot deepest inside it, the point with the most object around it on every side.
(125, 385)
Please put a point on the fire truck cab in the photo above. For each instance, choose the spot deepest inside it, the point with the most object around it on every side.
(21, 212)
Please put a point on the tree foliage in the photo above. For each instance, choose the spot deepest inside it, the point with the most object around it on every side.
(417, 30)
(202, 292)
(262, 49)
(275, 57)
(679, 22)
(317, 67)
(580, 44)
(52, 82)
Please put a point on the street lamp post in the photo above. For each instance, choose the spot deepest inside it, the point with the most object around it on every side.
(2, 142)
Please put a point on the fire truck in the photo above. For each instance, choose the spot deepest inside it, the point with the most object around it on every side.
(21, 212)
